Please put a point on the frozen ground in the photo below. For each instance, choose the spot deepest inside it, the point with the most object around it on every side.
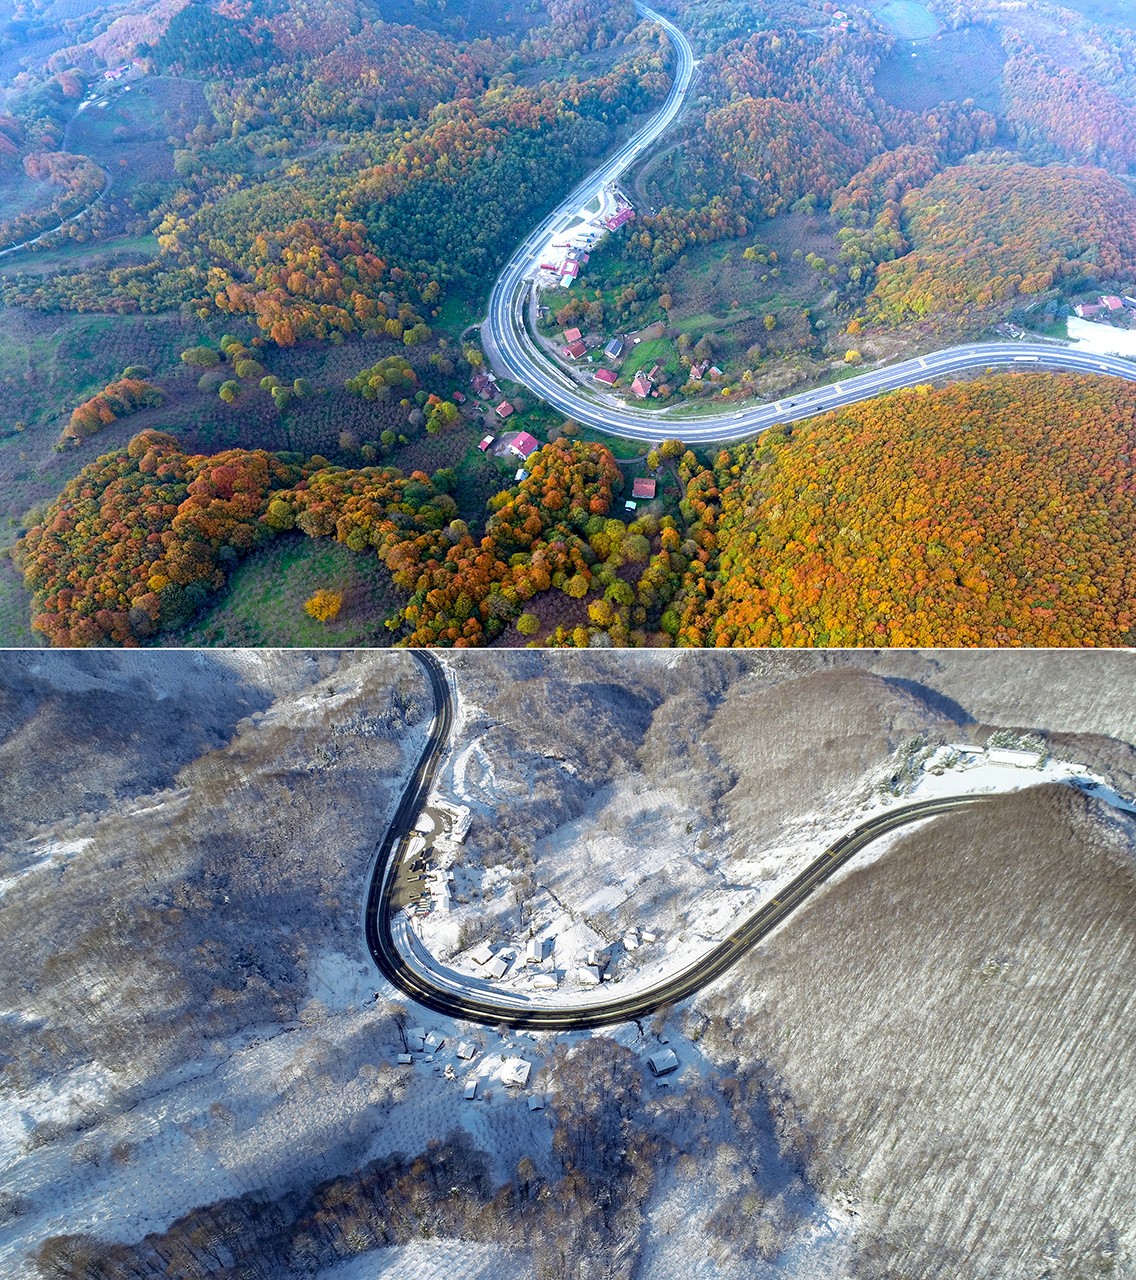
(637, 861)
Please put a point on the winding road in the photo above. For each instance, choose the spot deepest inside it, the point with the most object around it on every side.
(393, 952)
(514, 353)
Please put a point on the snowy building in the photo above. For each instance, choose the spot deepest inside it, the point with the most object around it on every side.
(482, 953)
(498, 967)
(470, 1091)
(544, 982)
(663, 1062)
(515, 1072)
(405, 1060)
(536, 1102)
(588, 975)
(534, 952)
(1018, 759)
(466, 1050)
(416, 1039)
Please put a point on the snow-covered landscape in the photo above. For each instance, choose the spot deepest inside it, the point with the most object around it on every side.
(198, 1047)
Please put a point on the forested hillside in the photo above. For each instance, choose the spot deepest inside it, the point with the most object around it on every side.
(998, 512)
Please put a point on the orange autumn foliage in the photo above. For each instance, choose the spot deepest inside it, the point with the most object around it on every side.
(1000, 512)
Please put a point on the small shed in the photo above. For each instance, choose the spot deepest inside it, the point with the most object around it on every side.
(486, 442)
(405, 1060)
(536, 1102)
(470, 1090)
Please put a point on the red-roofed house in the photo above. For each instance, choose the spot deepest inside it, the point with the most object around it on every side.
(570, 269)
(459, 397)
(574, 350)
(482, 384)
(1111, 301)
(618, 219)
(606, 376)
(641, 386)
(643, 488)
(504, 409)
(522, 444)
(572, 335)
(486, 442)
(1086, 310)
(654, 374)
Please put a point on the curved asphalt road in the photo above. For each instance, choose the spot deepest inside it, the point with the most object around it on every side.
(514, 1012)
(513, 352)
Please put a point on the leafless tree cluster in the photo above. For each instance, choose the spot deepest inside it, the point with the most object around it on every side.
(953, 1027)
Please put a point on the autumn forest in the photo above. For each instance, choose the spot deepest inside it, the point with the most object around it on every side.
(269, 234)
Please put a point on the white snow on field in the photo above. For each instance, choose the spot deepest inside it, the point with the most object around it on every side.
(434, 1260)
(53, 854)
(631, 862)
(1101, 339)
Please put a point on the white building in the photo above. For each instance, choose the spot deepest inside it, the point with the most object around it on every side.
(466, 1050)
(482, 953)
(1016, 759)
(470, 1091)
(515, 1072)
(663, 1062)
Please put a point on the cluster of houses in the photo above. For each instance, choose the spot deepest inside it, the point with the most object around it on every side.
(1107, 307)
(431, 853)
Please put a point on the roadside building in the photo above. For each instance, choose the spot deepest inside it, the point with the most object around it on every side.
(588, 975)
(545, 982)
(482, 953)
(498, 967)
(606, 376)
(1016, 759)
(521, 444)
(1111, 302)
(641, 386)
(515, 1072)
(618, 219)
(574, 350)
(663, 1062)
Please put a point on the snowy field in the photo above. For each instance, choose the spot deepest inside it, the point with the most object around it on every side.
(634, 892)
(1101, 339)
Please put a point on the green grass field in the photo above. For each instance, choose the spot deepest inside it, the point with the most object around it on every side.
(264, 604)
